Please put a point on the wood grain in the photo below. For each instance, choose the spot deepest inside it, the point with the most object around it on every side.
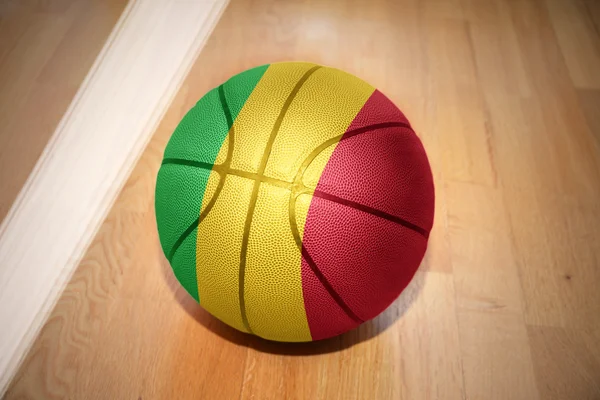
(504, 95)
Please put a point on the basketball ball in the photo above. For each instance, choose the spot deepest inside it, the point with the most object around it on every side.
(294, 202)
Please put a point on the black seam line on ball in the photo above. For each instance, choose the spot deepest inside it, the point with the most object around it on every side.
(255, 190)
(372, 211)
(181, 238)
(190, 163)
(327, 285)
(213, 200)
(231, 138)
(225, 107)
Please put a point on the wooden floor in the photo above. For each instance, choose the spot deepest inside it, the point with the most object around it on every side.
(505, 95)
(46, 50)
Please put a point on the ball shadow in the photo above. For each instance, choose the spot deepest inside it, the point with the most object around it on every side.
(364, 332)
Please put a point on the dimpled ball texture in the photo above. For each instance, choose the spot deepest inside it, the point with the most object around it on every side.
(294, 202)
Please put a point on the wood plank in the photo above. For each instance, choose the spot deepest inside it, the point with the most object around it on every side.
(590, 104)
(593, 9)
(30, 50)
(459, 114)
(489, 297)
(578, 41)
(567, 362)
(499, 66)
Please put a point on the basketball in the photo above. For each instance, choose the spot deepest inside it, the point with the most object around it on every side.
(294, 202)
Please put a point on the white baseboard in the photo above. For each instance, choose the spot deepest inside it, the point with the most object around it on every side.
(88, 159)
